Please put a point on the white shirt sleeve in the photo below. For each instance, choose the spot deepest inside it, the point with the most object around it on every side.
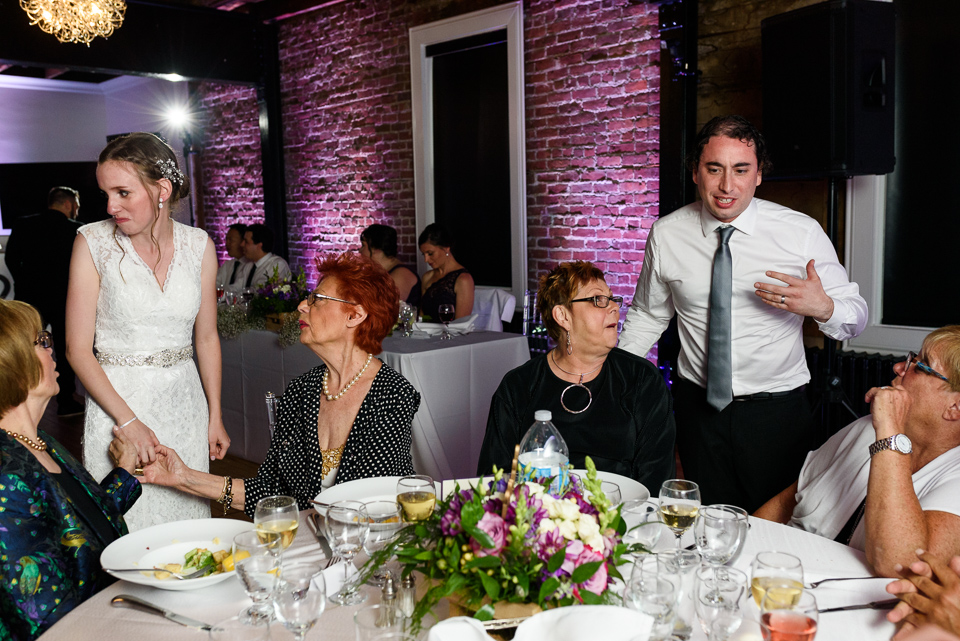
(652, 306)
(849, 308)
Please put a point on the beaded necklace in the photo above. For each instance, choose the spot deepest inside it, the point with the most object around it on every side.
(333, 397)
(40, 445)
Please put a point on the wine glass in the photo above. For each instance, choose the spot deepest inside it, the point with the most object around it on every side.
(277, 516)
(416, 495)
(679, 504)
(717, 532)
(717, 594)
(655, 595)
(386, 521)
(405, 318)
(236, 629)
(744, 521)
(642, 519)
(447, 313)
(785, 614)
(301, 596)
(775, 568)
(257, 562)
(612, 492)
(346, 527)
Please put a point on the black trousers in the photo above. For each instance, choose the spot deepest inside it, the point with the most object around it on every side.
(746, 454)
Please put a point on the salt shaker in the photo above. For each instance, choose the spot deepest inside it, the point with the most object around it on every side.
(407, 600)
(388, 603)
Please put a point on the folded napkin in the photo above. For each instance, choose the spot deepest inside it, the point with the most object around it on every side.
(459, 629)
(463, 325)
(580, 622)
(333, 576)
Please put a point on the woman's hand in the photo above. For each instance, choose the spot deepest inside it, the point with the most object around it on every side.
(122, 451)
(167, 470)
(219, 441)
(143, 438)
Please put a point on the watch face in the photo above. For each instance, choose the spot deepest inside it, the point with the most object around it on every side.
(901, 443)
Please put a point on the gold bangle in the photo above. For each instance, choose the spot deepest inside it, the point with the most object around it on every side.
(226, 495)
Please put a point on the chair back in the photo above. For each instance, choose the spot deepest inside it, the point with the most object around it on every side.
(271, 400)
(533, 327)
(492, 306)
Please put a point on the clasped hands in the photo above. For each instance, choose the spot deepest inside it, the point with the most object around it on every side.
(805, 297)
(929, 593)
(163, 467)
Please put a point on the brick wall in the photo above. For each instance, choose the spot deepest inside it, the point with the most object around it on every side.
(591, 130)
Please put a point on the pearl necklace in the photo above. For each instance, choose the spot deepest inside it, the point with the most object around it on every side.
(40, 445)
(326, 373)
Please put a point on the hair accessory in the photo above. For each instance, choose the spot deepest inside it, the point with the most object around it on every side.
(169, 170)
(127, 423)
(577, 384)
(40, 445)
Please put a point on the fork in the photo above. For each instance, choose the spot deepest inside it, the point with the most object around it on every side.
(176, 575)
(846, 578)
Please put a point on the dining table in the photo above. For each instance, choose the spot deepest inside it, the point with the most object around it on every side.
(97, 620)
(456, 379)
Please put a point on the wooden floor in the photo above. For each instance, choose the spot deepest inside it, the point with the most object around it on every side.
(69, 432)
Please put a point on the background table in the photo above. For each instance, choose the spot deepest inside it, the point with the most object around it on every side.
(456, 380)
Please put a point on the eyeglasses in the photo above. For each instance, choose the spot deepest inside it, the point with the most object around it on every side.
(44, 339)
(923, 367)
(312, 298)
(601, 301)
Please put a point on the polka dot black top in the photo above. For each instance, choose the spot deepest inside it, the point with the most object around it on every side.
(378, 445)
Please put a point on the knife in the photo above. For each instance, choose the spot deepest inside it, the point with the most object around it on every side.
(126, 600)
(873, 605)
(313, 521)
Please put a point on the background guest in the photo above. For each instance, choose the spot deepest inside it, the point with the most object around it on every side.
(929, 598)
(55, 518)
(346, 419)
(889, 483)
(607, 403)
(230, 273)
(38, 256)
(379, 244)
(142, 293)
(257, 247)
(447, 281)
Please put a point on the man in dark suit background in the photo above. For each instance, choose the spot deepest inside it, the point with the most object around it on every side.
(38, 257)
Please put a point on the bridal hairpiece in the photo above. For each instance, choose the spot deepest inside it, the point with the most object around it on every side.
(169, 170)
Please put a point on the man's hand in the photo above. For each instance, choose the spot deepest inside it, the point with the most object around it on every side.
(805, 297)
(929, 593)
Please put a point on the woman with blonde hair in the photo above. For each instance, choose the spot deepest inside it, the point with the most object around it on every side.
(142, 293)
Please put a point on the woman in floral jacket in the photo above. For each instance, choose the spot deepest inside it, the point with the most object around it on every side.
(55, 519)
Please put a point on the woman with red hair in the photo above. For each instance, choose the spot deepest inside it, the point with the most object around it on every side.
(348, 418)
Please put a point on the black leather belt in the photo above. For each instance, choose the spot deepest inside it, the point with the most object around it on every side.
(762, 396)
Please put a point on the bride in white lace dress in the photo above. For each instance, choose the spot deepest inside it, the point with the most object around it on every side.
(141, 287)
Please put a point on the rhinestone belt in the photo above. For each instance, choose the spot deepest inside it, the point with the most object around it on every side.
(166, 358)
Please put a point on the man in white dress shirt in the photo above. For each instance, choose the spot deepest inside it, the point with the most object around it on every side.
(751, 443)
(257, 245)
(230, 273)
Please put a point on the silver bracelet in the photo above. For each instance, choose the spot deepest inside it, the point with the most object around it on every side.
(127, 423)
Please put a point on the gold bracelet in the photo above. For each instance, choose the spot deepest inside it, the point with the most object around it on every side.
(226, 495)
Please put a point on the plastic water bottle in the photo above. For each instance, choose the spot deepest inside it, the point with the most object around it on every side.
(544, 454)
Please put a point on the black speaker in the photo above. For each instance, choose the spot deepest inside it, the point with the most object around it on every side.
(828, 89)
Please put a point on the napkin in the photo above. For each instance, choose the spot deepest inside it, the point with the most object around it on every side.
(580, 622)
(459, 629)
(333, 576)
(463, 325)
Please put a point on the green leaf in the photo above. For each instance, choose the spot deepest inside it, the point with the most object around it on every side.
(470, 515)
(556, 560)
(590, 598)
(620, 525)
(585, 571)
(485, 613)
(483, 562)
(423, 555)
(549, 587)
(490, 585)
(481, 537)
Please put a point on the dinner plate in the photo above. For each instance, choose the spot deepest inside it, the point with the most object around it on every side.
(579, 622)
(167, 543)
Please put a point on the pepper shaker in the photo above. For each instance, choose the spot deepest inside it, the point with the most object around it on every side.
(388, 603)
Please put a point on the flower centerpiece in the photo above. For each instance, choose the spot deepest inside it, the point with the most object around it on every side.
(273, 307)
(532, 544)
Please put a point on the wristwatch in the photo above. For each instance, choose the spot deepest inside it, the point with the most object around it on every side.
(898, 442)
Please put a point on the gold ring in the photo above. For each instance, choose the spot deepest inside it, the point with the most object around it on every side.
(138, 471)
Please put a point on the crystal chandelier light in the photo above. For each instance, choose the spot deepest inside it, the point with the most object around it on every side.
(76, 20)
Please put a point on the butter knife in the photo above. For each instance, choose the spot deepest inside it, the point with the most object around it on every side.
(873, 605)
(126, 600)
(313, 522)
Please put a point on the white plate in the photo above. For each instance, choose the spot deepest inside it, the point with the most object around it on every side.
(579, 622)
(165, 543)
(630, 490)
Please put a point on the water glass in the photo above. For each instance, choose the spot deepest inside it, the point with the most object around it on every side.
(775, 568)
(718, 591)
(788, 616)
(681, 566)
(277, 516)
(642, 519)
(301, 597)
(744, 520)
(346, 527)
(717, 532)
(653, 595)
(373, 621)
(386, 522)
(417, 495)
(612, 491)
(679, 504)
(236, 629)
(257, 563)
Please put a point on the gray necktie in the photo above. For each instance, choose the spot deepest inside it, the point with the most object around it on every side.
(719, 361)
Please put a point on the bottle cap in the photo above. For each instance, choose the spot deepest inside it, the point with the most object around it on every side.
(389, 590)
(543, 415)
(409, 581)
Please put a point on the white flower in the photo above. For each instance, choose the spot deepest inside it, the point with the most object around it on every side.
(546, 525)
(284, 289)
(589, 531)
(568, 529)
(568, 509)
(536, 489)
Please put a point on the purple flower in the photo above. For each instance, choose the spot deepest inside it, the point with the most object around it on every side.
(496, 528)
(450, 521)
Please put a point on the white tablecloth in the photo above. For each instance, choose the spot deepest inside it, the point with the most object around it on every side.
(456, 380)
(96, 620)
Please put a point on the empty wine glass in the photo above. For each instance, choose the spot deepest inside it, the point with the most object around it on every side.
(717, 532)
(775, 568)
(405, 318)
(301, 596)
(346, 527)
(679, 504)
(236, 629)
(416, 495)
(257, 563)
(681, 567)
(718, 591)
(744, 521)
(655, 595)
(386, 522)
(612, 492)
(642, 519)
(786, 614)
(277, 516)
(447, 313)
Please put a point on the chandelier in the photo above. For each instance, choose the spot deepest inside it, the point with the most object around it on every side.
(76, 20)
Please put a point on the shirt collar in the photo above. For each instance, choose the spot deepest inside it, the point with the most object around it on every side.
(745, 222)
